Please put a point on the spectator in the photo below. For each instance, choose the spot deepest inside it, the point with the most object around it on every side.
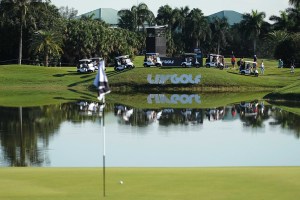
(292, 68)
(280, 63)
(262, 67)
(233, 61)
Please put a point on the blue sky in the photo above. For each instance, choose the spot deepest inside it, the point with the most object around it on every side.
(270, 7)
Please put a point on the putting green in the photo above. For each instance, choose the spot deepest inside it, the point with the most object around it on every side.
(230, 183)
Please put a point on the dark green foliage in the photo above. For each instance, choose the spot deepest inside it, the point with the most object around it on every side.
(289, 49)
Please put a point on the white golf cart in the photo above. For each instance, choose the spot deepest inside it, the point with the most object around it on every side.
(215, 60)
(190, 60)
(123, 62)
(152, 59)
(96, 60)
(85, 66)
(249, 68)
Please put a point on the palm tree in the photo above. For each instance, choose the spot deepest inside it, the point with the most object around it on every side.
(135, 18)
(294, 17)
(196, 27)
(127, 19)
(278, 36)
(19, 12)
(180, 16)
(296, 3)
(47, 43)
(165, 16)
(252, 24)
(219, 29)
(282, 22)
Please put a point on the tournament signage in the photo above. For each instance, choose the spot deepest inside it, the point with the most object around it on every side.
(171, 61)
(173, 99)
(174, 79)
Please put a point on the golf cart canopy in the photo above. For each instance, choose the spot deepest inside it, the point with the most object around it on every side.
(189, 54)
(250, 62)
(85, 60)
(119, 57)
(96, 58)
(152, 54)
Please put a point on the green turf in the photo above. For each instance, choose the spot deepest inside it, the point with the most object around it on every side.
(32, 85)
(247, 183)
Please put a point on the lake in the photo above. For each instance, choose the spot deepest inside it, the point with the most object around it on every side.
(78, 134)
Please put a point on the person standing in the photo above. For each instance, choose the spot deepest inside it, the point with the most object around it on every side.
(280, 63)
(254, 58)
(292, 68)
(262, 67)
(254, 61)
(233, 61)
(293, 65)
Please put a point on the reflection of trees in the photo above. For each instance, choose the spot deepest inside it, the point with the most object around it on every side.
(252, 114)
(286, 120)
(25, 132)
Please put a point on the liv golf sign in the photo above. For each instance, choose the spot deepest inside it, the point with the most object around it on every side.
(174, 79)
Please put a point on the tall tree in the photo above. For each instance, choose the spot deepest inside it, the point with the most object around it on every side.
(220, 29)
(296, 3)
(136, 17)
(251, 25)
(165, 16)
(281, 22)
(196, 28)
(48, 43)
(19, 11)
(294, 17)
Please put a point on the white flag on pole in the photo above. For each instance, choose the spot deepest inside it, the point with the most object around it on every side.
(101, 81)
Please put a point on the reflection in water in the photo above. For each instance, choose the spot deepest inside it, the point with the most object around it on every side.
(25, 133)
(250, 113)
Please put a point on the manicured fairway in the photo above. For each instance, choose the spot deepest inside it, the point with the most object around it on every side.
(243, 183)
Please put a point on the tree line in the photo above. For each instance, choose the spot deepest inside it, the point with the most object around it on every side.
(37, 32)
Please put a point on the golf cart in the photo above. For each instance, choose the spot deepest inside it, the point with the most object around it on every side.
(215, 60)
(85, 66)
(152, 59)
(190, 60)
(249, 68)
(95, 60)
(123, 62)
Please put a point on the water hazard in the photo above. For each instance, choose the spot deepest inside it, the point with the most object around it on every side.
(78, 134)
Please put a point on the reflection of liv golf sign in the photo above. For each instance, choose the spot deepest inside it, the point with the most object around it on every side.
(174, 78)
(174, 99)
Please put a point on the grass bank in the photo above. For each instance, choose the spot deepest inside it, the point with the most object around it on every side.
(247, 183)
(32, 85)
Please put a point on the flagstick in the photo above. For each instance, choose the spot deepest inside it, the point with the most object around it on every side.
(103, 124)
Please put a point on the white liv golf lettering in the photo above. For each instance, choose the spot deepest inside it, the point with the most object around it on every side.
(174, 99)
(174, 78)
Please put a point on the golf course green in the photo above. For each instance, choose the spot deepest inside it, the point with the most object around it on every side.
(28, 85)
(276, 183)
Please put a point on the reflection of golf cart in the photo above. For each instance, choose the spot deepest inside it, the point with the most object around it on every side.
(249, 68)
(123, 62)
(152, 59)
(189, 60)
(215, 60)
(95, 60)
(85, 66)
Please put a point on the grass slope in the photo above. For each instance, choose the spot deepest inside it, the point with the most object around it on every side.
(247, 183)
(32, 85)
